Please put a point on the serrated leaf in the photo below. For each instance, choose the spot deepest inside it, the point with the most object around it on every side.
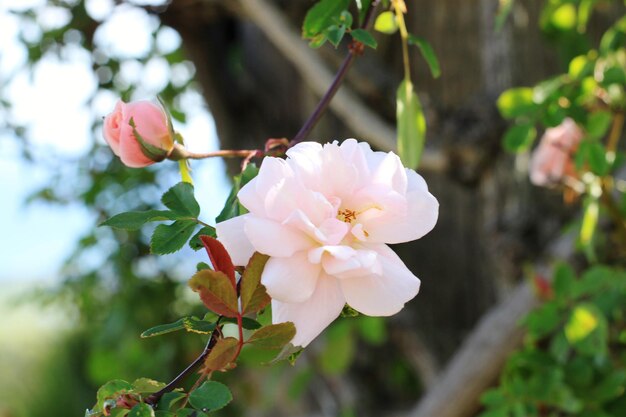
(222, 354)
(110, 390)
(411, 125)
(516, 102)
(364, 37)
(133, 220)
(170, 238)
(210, 396)
(274, 336)
(216, 292)
(169, 399)
(428, 53)
(246, 322)
(519, 138)
(232, 208)
(321, 16)
(219, 257)
(195, 243)
(141, 410)
(181, 200)
(253, 294)
(194, 325)
(386, 23)
(147, 386)
(163, 329)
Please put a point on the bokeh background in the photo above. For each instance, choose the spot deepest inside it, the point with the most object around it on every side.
(75, 297)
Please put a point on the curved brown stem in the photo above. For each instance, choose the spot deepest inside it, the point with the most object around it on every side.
(321, 107)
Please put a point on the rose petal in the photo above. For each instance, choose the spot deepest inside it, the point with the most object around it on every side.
(384, 294)
(275, 239)
(313, 315)
(291, 280)
(397, 226)
(231, 234)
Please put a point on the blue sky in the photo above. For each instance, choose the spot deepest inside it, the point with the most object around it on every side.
(36, 238)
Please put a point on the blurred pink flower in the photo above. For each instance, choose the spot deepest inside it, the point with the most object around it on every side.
(552, 159)
(324, 216)
(150, 122)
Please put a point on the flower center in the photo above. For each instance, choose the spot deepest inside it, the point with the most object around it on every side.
(346, 215)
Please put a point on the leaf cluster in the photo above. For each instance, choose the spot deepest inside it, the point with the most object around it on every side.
(573, 362)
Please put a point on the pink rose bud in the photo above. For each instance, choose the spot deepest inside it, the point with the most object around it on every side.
(138, 133)
(552, 159)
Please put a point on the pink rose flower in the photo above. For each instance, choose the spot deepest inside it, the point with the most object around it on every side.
(155, 137)
(324, 216)
(552, 159)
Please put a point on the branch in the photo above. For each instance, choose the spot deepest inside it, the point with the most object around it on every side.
(477, 364)
(353, 52)
(365, 123)
(154, 398)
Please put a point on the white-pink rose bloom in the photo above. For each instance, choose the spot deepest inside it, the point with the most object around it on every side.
(324, 216)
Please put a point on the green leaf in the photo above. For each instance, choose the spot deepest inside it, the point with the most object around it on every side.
(580, 67)
(545, 89)
(110, 390)
(232, 208)
(587, 330)
(246, 322)
(317, 41)
(210, 396)
(274, 336)
(141, 410)
(188, 412)
(363, 36)
(169, 399)
(195, 243)
(519, 138)
(216, 292)
(164, 329)
(133, 220)
(386, 23)
(589, 224)
(564, 281)
(543, 320)
(180, 200)
(147, 386)
(598, 124)
(253, 294)
(428, 53)
(190, 324)
(170, 238)
(222, 354)
(411, 125)
(335, 34)
(321, 16)
(516, 102)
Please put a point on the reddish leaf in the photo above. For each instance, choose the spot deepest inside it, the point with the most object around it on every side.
(216, 292)
(222, 354)
(253, 294)
(219, 257)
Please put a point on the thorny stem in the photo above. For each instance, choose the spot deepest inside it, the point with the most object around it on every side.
(154, 398)
(179, 153)
(321, 107)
